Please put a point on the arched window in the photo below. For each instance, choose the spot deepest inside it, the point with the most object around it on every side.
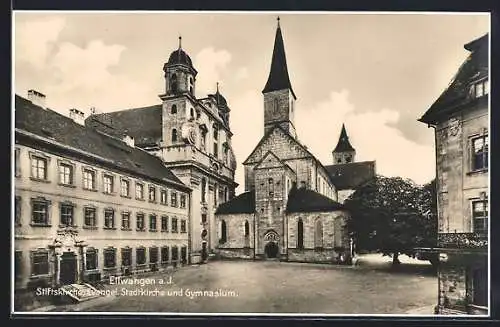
(173, 83)
(318, 234)
(191, 90)
(223, 232)
(247, 228)
(275, 105)
(173, 110)
(300, 234)
(174, 135)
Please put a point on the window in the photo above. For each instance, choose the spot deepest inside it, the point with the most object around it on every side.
(109, 218)
(203, 189)
(163, 197)
(480, 153)
(173, 110)
(152, 194)
(91, 258)
(203, 218)
(203, 139)
(480, 216)
(480, 88)
(216, 187)
(18, 264)
(173, 199)
(164, 223)
(140, 221)
(184, 254)
(89, 217)
(89, 179)
(318, 234)
(191, 113)
(247, 228)
(108, 184)
(183, 200)
(39, 263)
(139, 191)
(183, 226)
(152, 223)
(125, 220)
(175, 253)
(66, 214)
(223, 232)
(125, 188)
(109, 258)
(140, 256)
(174, 225)
(480, 286)
(174, 135)
(40, 212)
(216, 149)
(38, 167)
(126, 257)
(271, 187)
(216, 132)
(153, 254)
(225, 194)
(275, 105)
(300, 234)
(165, 254)
(17, 162)
(65, 174)
(17, 208)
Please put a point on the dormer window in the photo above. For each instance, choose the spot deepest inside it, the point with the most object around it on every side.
(480, 88)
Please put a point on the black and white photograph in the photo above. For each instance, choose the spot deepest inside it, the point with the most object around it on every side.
(266, 163)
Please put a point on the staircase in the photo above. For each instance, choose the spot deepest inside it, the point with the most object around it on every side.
(81, 292)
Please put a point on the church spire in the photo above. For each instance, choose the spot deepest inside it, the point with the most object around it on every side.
(278, 75)
(343, 145)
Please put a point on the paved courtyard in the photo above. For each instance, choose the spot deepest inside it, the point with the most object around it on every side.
(274, 287)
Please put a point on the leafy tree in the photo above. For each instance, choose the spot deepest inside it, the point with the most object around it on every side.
(392, 215)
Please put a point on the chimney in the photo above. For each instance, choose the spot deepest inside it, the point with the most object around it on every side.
(77, 116)
(37, 98)
(129, 140)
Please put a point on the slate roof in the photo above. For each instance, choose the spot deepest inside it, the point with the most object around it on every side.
(50, 124)
(243, 203)
(278, 75)
(304, 200)
(351, 175)
(456, 94)
(343, 145)
(143, 124)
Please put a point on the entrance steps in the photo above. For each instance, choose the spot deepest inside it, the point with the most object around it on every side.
(81, 292)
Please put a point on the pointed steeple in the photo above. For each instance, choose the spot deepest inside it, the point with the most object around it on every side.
(343, 144)
(278, 75)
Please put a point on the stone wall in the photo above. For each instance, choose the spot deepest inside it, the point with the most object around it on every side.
(235, 229)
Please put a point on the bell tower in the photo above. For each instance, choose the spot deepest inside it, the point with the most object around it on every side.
(279, 98)
(180, 75)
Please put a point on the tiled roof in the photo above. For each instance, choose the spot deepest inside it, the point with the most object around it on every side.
(351, 175)
(474, 68)
(143, 124)
(304, 200)
(243, 203)
(59, 128)
(278, 75)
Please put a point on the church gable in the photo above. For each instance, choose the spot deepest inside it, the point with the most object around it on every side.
(281, 144)
(270, 160)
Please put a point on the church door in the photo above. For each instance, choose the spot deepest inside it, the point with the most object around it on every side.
(68, 268)
(271, 250)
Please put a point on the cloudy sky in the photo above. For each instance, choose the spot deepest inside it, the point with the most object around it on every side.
(377, 73)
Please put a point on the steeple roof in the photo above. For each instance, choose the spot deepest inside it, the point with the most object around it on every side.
(278, 75)
(343, 144)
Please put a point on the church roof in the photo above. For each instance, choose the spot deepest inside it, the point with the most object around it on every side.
(351, 175)
(343, 145)
(304, 200)
(243, 203)
(86, 141)
(278, 75)
(143, 124)
(180, 57)
(474, 68)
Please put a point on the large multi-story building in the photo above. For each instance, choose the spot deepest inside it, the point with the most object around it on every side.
(290, 207)
(192, 137)
(460, 120)
(89, 205)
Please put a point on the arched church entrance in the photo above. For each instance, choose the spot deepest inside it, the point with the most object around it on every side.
(271, 249)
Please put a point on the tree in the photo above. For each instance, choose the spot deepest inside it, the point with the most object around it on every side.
(391, 215)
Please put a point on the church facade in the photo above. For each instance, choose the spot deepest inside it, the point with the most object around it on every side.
(290, 209)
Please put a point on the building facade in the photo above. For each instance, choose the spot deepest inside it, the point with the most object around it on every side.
(290, 207)
(89, 206)
(192, 137)
(460, 120)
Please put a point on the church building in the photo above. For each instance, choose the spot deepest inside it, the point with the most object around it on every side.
(290, 207)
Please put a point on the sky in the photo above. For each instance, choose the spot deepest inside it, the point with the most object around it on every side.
(377, 73)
